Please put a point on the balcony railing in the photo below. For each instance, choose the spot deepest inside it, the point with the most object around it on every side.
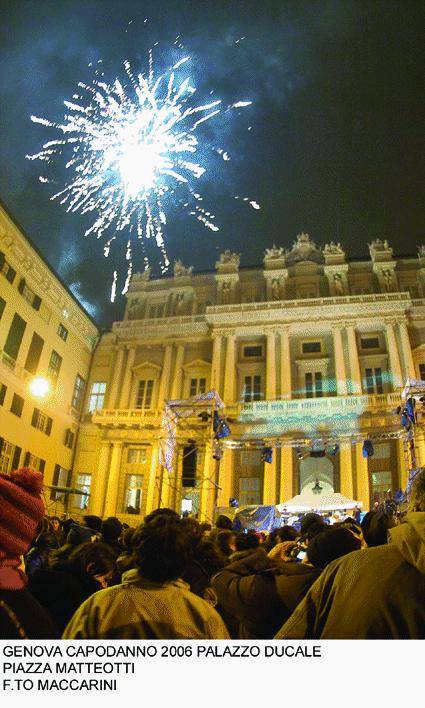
(259, 410)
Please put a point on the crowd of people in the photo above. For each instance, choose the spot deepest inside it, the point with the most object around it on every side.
(176, 578)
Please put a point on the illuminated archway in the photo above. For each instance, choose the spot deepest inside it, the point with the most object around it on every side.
(316, 468)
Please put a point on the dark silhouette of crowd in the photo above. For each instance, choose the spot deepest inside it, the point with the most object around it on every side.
(175, 578)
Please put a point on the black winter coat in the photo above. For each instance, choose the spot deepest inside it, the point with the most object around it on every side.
(22, 617)
(262, 594)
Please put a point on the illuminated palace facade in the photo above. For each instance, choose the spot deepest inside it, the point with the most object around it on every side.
(309, 347)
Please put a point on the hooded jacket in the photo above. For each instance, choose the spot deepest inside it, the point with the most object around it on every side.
(375, 593)
(141, 609)
(260, 593)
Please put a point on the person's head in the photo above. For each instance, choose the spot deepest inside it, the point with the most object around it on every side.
(225, 541)
(78, 534)
(127, 539)
(164, 511)
(314, 529)
(223, 522)
(246, 541)
(308, 520)
(55, 524)
(331, 544)
(375, 527)
(111, 529)
(286, 533)
(161, 549)
(21, 509)
(93, 522)
(193, 530)
(94, 560)
(205, 528)
(417, 493)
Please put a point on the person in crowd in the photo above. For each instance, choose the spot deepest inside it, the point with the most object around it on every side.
(225, 542)
(21, 509)
(204, 561)
(152, 602)
(332, 543)
(206, 529)
(374, 593)
(280, 535)
(223, 522)
(66, 583)
(308, 520)
(125, 561)
(261, 593)
(93, 522)
(78, 534)
(111, 531)
(162, 511)
(375, 527)
(245, 544)
(38, 555)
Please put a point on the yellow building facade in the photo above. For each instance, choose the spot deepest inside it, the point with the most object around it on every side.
(308, 351)
(44, 332)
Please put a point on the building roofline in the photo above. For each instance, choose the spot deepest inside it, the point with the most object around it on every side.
(52, 270)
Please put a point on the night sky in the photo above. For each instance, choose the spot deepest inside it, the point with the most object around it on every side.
(336, 140)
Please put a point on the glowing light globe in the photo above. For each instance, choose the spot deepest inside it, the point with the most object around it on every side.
(39, 387)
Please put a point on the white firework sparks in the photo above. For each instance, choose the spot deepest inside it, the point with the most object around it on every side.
(129, 147)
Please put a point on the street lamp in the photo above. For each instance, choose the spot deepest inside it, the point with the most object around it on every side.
(39, 387)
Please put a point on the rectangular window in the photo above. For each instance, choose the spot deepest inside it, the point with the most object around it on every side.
(318, 384)
(311, 347)
(136, 455)
(313, 384)
(251, 458)
(97, 396)
(373, 380)
(6, 456)
(34, 353)
(3, 389)
(197, 386)
(2, 306)
(6, 269)
(78, 394)
(133, 494)
(422, 371)
(69, 438)
(54, 367)
(144, 394)
(382, 482)
(253, 351)
(61, 478)
(369, 343)
(249, 490)
(83, 484)
(28, 295)
(17, 405)
(252, 389)
(35, 463)
(62, 332)
(41, 421)
(309, 385)
(189, 462)
(14, 338)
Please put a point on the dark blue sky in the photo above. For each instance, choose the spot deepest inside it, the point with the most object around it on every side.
(336, 146)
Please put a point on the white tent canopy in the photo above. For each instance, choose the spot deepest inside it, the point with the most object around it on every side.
(308, 501)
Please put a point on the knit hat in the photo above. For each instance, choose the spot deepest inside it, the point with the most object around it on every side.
(21, 508)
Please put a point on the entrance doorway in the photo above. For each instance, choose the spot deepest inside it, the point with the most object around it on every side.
(316, 469)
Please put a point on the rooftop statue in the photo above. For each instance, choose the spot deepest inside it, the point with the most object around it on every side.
(274, 253)
(304, 249)
(333, 248)
(181, 270)
(228, 258)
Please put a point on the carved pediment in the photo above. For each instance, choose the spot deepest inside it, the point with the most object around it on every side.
(146, 365)
(304, 249)
(197, 364)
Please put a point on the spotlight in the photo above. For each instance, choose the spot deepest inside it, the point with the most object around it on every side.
(233, 503)
(367, 450)
(317, 489)
(410, 409)
(220, 427)
(299, 453)
(267, 455)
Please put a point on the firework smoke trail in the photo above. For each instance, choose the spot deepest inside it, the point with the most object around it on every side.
(130, 147)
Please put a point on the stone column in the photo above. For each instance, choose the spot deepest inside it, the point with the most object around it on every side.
(125, 388)
(153, 471)
(406, 351)
(207, 488)
(165, 376)
(345, 470)
(394, 356)
(115, 378)
(285, 365)
(340, 375)
(176, 388)
(230, 373)
(111, 499)
(270, 476)
(216, 363)
(362, 471)
(286, 474)
(271, 367)
(226, 478)
(353, 355)
(98, 495)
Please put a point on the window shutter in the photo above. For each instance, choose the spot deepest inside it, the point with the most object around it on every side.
(21, 285)
(10, 276)
(49, 426)
(36, 302)
(16, 457)
(42, 466)
(35, 415)
(26, 459)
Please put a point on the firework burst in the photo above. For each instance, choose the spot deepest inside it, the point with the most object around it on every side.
(134, 151)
